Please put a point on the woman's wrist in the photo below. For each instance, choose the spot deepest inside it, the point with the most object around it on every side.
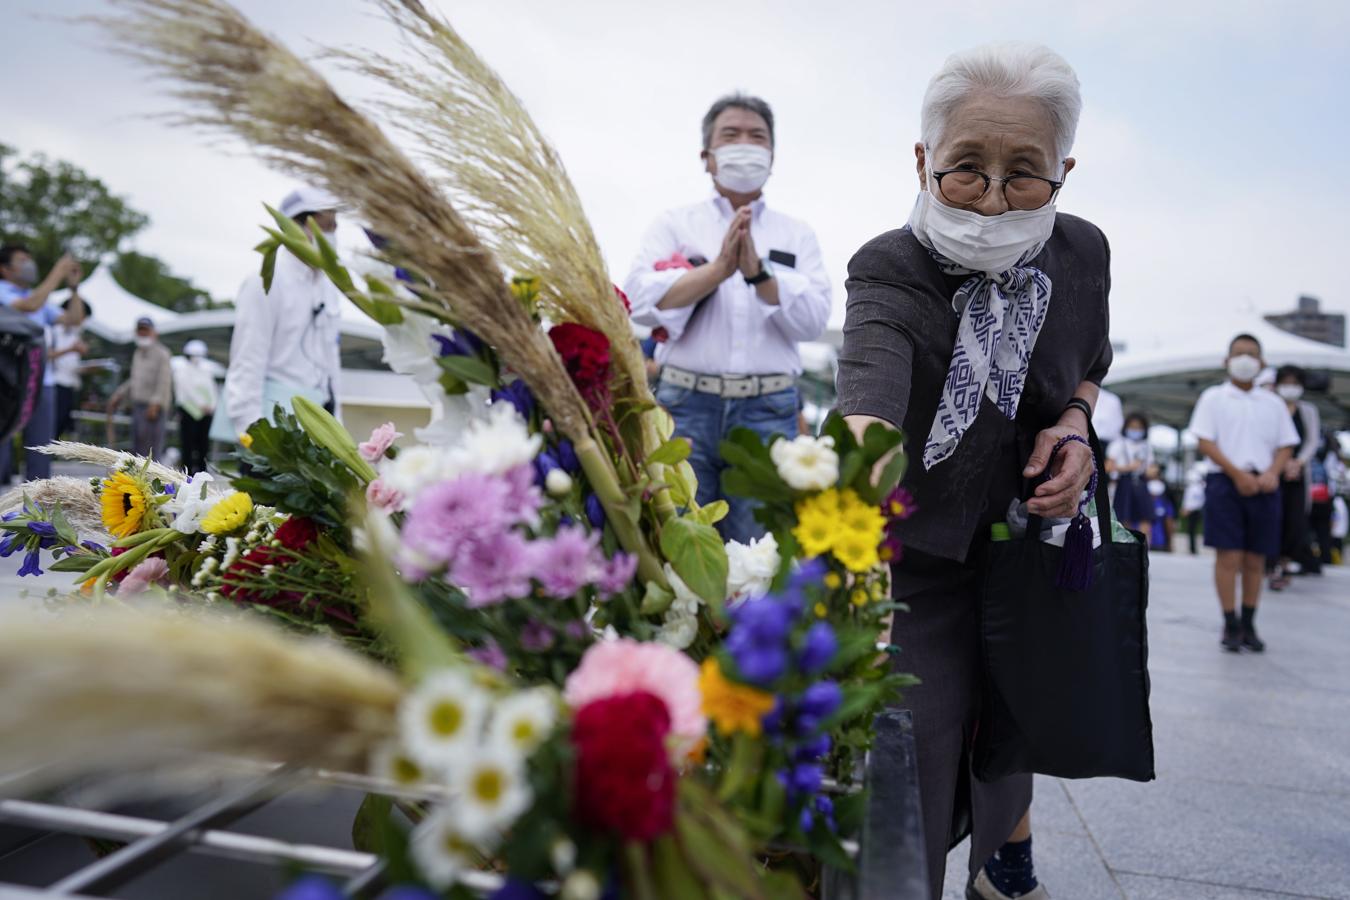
(1074, 418)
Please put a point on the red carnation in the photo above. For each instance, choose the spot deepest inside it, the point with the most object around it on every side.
(585, 353)
(297, 533)
(625, 783)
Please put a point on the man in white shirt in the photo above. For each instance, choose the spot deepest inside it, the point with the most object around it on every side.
(194, 387)
(285, 340)
(730, 287)
(65, 358)
(1248, 437)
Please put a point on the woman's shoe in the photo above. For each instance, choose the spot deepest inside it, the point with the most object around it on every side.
(983, 889)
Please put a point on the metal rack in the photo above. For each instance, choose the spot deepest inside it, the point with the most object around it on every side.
(890, 857)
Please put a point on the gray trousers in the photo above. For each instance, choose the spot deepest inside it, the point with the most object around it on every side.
(147, 438)
(939, 642)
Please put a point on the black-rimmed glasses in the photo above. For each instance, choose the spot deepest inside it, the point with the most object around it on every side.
(966, 187)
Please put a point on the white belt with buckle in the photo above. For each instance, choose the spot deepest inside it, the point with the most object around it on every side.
(727, 386)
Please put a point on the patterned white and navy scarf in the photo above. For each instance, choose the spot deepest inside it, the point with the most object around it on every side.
(1001, 317)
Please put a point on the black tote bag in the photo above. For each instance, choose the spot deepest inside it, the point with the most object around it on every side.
(23, 356)
(1065, 672)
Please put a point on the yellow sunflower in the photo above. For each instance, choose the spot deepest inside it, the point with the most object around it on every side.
(732, 707)
(229, 514)
(123, 498)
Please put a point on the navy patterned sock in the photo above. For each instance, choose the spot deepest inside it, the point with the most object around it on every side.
(1011, 868)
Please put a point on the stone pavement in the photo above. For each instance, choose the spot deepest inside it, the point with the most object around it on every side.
(1252, 800)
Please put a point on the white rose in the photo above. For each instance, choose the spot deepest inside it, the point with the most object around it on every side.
(806, 463)
(751, 567)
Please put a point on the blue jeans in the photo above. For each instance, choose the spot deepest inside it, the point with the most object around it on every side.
(706, 419)
(36, 433)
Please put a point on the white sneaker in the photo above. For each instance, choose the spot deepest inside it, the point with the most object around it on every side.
(983, 889)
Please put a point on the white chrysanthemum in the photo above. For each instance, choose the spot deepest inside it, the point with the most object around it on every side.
(414, 469)
(491, 788)
(678, 629)
(391, 762)
(751, 567)
(190, 504)
(806, 463)
(443, 718)
(443, 849)
(495, 444)
(686, 602)
(524, 719)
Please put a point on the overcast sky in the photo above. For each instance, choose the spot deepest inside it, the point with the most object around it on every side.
(1214, 148)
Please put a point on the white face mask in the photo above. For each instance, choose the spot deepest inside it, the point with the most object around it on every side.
(1157, 488)
(742, 168)
(1290, 392)
(980, 243)
(144, 340)
(1244, 368)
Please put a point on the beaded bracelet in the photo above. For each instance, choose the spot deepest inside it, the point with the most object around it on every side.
(1092, 482)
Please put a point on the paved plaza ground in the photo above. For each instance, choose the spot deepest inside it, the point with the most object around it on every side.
(1252, 799)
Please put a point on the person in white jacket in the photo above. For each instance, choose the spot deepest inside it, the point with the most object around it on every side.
(194, 387)
(285, 341)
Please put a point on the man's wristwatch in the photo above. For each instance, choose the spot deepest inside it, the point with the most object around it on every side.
(763, 276)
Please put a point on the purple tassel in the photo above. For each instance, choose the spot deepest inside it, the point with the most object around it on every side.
(1075, 569)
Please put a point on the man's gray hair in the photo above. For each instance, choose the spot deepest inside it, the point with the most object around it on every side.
(737, 101)
(1006, 69)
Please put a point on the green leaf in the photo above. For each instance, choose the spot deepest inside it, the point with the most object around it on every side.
(379, 303)
(747, 755)
(682, 484)
(673, 873)
(713, 513)
(637, 876)
(891, 474)
(370, 827)
(673, 451)
(850, 468)
(269, 267)
(81, 562)
(64, 529)
(697, 555)
(327, 432)
(716, 862)
(879, 439)
(469, 368)
(826, 848)
(656, 599)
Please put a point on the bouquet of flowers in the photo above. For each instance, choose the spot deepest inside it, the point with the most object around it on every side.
(565, 618)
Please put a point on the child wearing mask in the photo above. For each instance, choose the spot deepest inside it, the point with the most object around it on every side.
(1128, 461)
(1248, 437)
(1164, 513)
(1295, 549)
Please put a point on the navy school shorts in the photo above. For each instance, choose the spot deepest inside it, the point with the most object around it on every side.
(1235, 522)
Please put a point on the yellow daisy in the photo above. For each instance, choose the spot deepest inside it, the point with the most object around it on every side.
(856, 551)
(229, 514)
(855, 515)
(732, 707)
(124, 499)
(817, 522)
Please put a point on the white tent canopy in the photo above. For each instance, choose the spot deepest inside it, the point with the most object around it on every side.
(1194, 350)
(115, 308)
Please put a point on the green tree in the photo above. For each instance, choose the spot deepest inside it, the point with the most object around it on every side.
(54, 207)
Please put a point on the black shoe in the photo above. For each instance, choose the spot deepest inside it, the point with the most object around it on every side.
(1250, 640)
(1232, 639)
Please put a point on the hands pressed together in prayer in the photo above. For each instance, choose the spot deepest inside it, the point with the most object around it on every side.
(738, 248)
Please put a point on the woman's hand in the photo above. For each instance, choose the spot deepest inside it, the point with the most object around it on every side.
(1058, 498)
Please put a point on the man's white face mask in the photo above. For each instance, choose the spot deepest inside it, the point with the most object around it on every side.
(144, 340)
(1244, 368)
(742, 168)
(991, 244)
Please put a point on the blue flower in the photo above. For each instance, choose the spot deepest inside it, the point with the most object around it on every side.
(11, 515)
(595, 512)
(818, 702)
(567, 455)
(30, 564)
(544, 463)
(9, 543)
(94, 546)
(759, 665)
(809, 572)
(818, 649)
(565, 521)
(463, 343)
(311, 887)
(772, 721)
(515, 889)
(813, 749)
(46, 529)
(825, 807)
(171, 489)
(804, 778)
(806, 821)
(517, 393)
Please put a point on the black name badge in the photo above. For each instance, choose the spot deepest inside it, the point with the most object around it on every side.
(783, 258)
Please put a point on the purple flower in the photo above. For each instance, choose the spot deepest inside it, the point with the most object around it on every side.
(595, 512)
(515, 889)
(11, 515)
(616, 574)
(763, 621)
(806, 820)
(377, 240)
(171, 489)
(544, 463)
(567, 455)
(760, 666)
(448, 514)
(576, 629)
(94, 546)
(523, 498)
(821, 699)
(9, 543)
(536, 637)
(517, 393)
(825, 807)
(493, 567)
(30, 564)
(564, 563)
(812, 749)
(772, 721)
(463, 343)
(804, 779)
(490, 655)
(46, 529)
(311, 887)
(810, 571)
(818, 649)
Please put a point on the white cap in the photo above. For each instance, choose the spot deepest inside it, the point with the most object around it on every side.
(195, 347)
(308, 199)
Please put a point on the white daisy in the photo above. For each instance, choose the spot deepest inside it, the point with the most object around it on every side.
(443, 718)
(443, 849)
(806, 463)
(490, 787)
(524, 719)
(391, 762)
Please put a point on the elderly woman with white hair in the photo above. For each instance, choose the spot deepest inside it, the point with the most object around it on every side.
(980, 330)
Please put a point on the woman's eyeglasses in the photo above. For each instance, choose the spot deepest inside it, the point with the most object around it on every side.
(965, 187)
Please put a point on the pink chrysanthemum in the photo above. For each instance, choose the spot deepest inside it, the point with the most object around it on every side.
(566, 562)
(151, 571)
(615, 668)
